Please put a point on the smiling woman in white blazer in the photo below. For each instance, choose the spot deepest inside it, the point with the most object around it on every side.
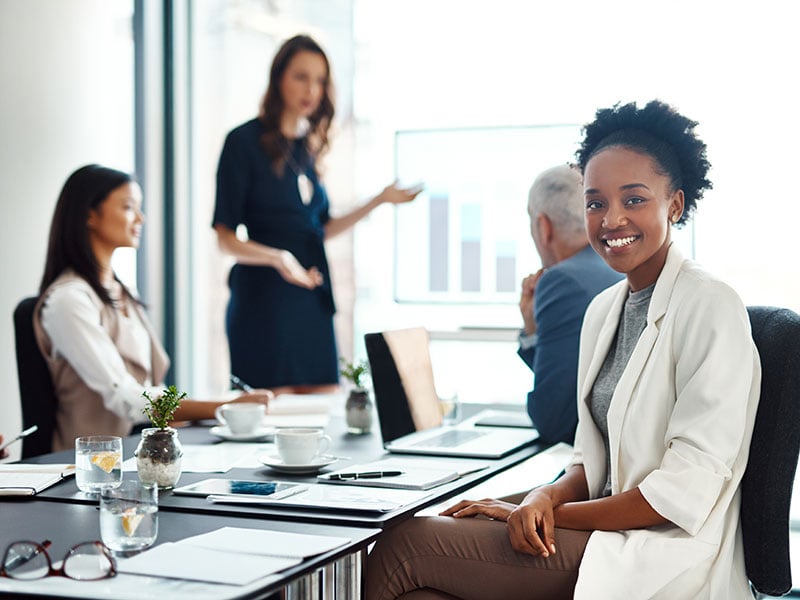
(679, 427)
(668, 386)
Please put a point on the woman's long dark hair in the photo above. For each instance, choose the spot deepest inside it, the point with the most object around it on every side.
(272, 105)
(69, 246)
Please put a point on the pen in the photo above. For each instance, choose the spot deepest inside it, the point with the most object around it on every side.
(364, 475)
(24, 434)
(240, 385)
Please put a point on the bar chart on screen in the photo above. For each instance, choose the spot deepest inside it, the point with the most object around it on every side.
(467, 238)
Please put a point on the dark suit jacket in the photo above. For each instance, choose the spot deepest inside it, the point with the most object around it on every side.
(562, 294)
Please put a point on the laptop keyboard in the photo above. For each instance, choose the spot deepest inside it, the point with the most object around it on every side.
(450, 439)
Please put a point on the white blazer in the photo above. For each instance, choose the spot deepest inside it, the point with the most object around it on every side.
(679, 425)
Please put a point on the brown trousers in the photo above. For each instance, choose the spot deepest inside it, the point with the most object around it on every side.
(442, 558)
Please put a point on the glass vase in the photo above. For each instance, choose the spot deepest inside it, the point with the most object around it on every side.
(358, 412)
(158, 457)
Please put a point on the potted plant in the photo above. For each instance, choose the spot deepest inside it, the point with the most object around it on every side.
(358, 408)
(158, 455)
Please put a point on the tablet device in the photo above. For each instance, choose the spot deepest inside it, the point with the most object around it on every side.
(274, 490)
(503, 418)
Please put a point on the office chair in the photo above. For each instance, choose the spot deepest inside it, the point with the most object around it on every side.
(769, 477)
(37, 396)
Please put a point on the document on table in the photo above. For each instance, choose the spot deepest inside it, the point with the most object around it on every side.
(301, 410)
(215, 458)
(229, 555)
(316, 420)
(415, 474)
(183, 561)
(22, 479)
(299, 404)
(262, 541)
(349, 498)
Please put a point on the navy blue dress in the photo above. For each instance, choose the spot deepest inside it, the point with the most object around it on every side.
(278, 333)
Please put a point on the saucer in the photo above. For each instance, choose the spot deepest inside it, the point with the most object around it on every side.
(275, 462)
(259, 435)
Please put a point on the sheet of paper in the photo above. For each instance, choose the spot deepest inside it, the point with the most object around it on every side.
(265, 542)
(215, 458)
(411, 477)
(340, 497)
(463, 466)
(185, 561)
(301, 420)
(297, 404)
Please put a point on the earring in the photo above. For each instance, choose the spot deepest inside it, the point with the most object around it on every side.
(675, 218)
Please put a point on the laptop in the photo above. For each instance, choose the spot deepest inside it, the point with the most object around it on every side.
(408, 407)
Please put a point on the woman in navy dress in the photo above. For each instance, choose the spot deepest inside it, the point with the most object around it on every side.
(280, 314)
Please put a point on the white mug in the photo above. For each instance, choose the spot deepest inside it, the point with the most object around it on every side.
(299, 445)
(241, 417)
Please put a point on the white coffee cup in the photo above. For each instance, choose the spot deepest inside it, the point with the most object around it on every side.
(299, 445)
(241, 417)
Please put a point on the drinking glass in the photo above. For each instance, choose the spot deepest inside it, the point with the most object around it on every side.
(129, 516)
(451, 408)
(98, 462)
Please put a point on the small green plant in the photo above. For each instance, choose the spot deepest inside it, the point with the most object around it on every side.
(161, 409)
(354, 371)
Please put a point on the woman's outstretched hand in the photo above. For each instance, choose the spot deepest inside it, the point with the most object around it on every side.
(292, 271)
(392, 194)
(488, 507)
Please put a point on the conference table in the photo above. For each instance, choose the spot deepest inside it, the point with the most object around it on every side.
(67, 516)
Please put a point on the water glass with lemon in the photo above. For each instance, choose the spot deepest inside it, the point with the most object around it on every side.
(129, 516)
(98, 462)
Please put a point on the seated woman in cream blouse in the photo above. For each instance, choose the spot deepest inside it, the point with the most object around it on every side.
(98, 343)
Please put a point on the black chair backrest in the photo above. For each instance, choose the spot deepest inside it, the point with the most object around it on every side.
(37, 396)
(769, 477)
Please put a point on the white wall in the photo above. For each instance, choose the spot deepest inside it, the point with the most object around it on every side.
(66, 71)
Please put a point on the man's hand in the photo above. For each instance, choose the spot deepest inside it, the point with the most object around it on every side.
(527, 300)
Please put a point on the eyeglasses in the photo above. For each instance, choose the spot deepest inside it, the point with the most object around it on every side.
(88, 561)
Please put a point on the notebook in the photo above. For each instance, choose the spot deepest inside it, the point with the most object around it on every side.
(406, 472)
(23, 479)
(408, 407)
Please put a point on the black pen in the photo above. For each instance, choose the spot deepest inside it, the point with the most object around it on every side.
(364, 475)
(240, 385)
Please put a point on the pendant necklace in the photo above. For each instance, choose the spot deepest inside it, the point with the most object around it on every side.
(304, 185)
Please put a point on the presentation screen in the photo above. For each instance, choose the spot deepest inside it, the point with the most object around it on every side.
(466, 238)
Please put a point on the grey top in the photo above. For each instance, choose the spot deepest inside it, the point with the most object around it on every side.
(631, 325)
